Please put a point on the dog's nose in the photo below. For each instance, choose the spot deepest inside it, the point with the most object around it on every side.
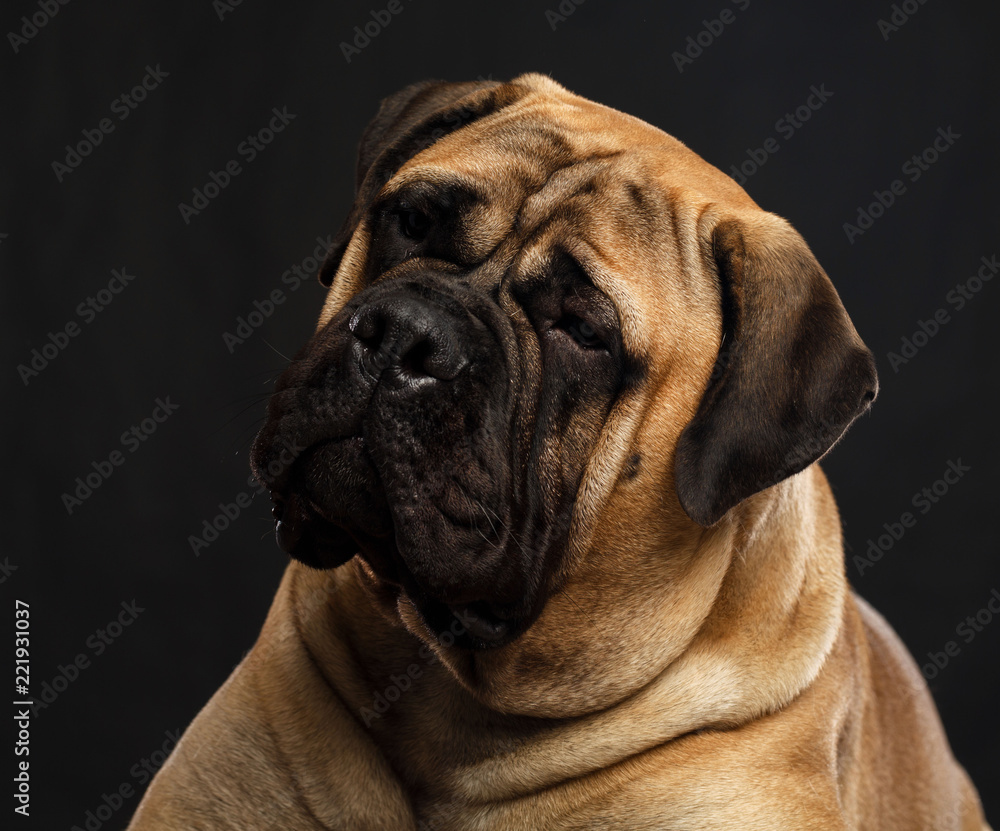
(408, 339)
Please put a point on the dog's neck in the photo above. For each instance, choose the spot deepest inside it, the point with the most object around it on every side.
(780, 589)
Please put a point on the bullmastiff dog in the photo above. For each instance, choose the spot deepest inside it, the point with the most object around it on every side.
(561, 554)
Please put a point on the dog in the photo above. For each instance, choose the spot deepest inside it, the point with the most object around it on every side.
(561, 554)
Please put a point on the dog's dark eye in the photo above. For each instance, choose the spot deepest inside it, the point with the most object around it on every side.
(581, 332)
(414, 224)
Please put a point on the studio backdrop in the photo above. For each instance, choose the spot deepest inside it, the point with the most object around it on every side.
(172, 176)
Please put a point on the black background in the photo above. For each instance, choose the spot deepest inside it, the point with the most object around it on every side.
(163, 335)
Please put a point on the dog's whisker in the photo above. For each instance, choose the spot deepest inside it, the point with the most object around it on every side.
(277, 351)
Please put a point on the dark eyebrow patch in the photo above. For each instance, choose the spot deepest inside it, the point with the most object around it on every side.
(451, 205)
(445, 194)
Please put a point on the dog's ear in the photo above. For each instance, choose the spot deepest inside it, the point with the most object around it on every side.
(408, 122)
(791, 376)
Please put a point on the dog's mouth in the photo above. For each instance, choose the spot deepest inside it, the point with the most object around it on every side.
(478, 625)
(312, 517)
(323, 525)
(303, 533)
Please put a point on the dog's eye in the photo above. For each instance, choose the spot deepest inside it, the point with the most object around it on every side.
(414, 224)
(581, 332)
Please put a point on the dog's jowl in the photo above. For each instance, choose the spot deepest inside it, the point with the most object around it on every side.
(561, 554)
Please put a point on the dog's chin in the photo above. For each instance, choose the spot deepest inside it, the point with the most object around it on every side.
(433, 551)
(460, 623)
(473, 626)
(311, 518)
(450, 619)
(456, 604)
(305, 535)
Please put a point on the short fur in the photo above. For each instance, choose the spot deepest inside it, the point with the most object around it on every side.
(692, 655)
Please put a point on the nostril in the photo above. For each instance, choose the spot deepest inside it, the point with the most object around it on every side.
(417, 359)
(408, 340)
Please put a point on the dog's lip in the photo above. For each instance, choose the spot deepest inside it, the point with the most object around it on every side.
(482, 622)
(291, 513)
(301, 528)
(302, 532)
(475, 626)
(281, 481)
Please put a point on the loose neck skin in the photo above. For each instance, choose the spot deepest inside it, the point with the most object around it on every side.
(674, 642)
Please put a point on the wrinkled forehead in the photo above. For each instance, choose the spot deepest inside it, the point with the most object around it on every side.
(527, 144)
(562, 174)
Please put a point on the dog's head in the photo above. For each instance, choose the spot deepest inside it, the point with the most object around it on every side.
(554, 337)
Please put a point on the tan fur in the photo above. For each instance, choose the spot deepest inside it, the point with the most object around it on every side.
(681, 677)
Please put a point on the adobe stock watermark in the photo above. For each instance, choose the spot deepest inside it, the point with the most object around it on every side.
(47, 9)
(923, 500)
(122, 107)
(248, 150)
(131, 440)
(786, 127)
(293, 277)
(562, 12)
(140, 773)
(900, 15)
(7, 569)
(88, 309)
(229, 512)
(212, 528)
(958, 297)
(224, 7)
(371, 29)
(966, 632)
(97, 644)
(695, 45)
(402, 682)
(913, 168)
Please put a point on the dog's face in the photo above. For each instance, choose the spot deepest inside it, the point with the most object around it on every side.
(557, 344)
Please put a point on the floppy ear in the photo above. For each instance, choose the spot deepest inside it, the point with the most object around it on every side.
(791, 376)
(407, 122)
